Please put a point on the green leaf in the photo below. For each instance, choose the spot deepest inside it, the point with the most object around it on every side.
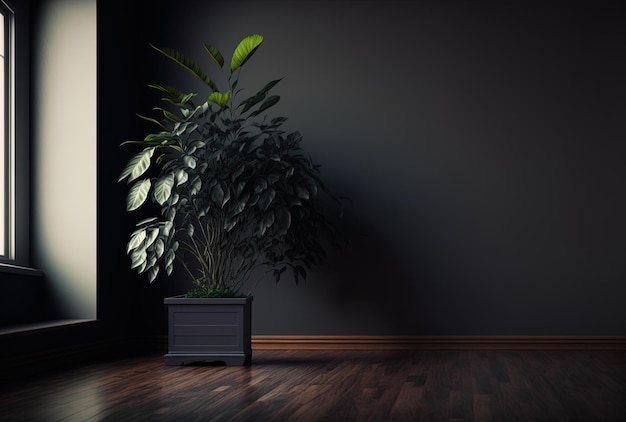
(219, 98)
(137, 165)
(150, 238)
(135, 240)
(167, 228)
(215, 55)
(159, 248)
(169, 258)
(268, 220)
(187, 63)
(283, 219)
(152, 273)
(137, 258)
(266, 198)
(269, 102)
(301, 192)
(196, 185)
(260, 185)
(189, 161)
(270, 85)
(273, 178)
(245, 50)
(251, 102)
(217, 195)
(181, 177)
(146, 222)
(168, 115)
(174, 95)
(230, 224)
(258, 97)
(238, 172)
(152, 120)
(163, 188)
(299, 271)
(312, 187)
(138, 194)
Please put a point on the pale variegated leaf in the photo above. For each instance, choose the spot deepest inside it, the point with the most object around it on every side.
(150, 238)
(137, 165)
(181, 177)
(159, 248)
(138, 194)
(189, 161)
(137, 258)
(135, 240)
(152, 273)
(169, 257)
(163, 188)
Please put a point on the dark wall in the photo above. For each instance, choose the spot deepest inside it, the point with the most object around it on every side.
(481, 146)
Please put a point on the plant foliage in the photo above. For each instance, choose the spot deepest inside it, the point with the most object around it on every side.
(235, 191)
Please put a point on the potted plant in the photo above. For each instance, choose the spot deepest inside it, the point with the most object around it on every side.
(233, 195)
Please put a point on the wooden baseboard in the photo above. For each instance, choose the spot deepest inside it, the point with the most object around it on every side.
(260, 342)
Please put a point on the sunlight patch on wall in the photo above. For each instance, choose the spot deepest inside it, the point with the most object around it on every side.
(65, 154)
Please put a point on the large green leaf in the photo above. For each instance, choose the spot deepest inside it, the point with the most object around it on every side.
(215, 55)
(269, 102)
(258, 97)
(137, 165)
(252, 101)
(245, 50)
(187, 63)
(219, 98)
(138, 194)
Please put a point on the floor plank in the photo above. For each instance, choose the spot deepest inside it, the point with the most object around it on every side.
(334, 386)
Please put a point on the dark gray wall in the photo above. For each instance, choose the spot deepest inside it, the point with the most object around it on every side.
(481, 147)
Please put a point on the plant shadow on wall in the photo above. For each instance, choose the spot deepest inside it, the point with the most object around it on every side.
(233, 192)
(375, 276)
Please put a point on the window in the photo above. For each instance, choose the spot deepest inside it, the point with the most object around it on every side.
(7, 139)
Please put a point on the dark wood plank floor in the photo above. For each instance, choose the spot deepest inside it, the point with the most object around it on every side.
(334, 386)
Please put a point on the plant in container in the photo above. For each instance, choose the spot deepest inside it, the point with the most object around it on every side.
(233, 194)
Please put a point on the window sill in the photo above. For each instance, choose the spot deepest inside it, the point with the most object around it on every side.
(17, 269)
(42, 326)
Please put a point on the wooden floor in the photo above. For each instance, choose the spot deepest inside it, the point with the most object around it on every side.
(334, 386)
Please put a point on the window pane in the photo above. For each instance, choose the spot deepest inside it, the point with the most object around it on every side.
(3, 144)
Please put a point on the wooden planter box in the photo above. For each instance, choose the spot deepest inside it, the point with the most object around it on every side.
(209, 330)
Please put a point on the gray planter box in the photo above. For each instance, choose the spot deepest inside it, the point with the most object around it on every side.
(209, 330)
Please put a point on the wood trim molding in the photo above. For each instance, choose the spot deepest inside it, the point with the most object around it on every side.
(264, 342)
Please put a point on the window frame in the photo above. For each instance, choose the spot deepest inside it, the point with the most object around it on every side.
(17, 136)
(8, 80)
